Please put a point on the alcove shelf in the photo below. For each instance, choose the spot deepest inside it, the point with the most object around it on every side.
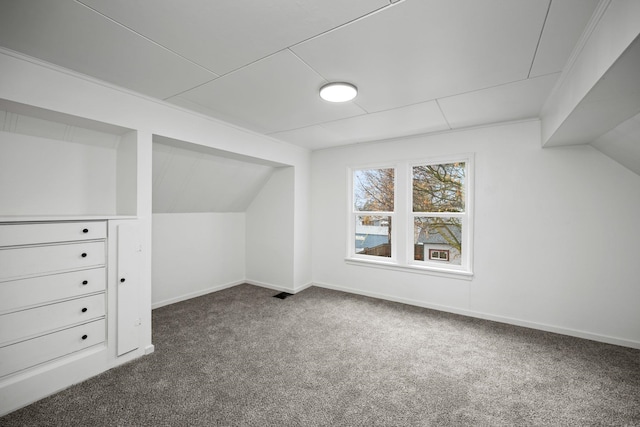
(57, 166)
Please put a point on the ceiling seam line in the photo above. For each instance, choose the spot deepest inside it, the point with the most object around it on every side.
(443, 115)
(301, 41)
(535, 53)
(189, 89)
(359, 18)
(494, 86)
(437, 100)
(323, 77)
(148, 39)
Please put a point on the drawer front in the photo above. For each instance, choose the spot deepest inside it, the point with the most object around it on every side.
(40, 260)
(29, 353)
(26, 293)
(30, 323)
(34, 233)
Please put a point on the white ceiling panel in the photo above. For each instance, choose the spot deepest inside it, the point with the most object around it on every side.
(415, 51)
(513, 101)
(420, 118)
(415, 119)
(69, 34)
(259, 64)
(312, 137)
(562, 29)
(277, 93)
(225, 35)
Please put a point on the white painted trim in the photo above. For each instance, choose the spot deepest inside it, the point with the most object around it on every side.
(195, 294)
(149, 349)
(591, 26)
(487, 316)
(413, 268)
(26, 387)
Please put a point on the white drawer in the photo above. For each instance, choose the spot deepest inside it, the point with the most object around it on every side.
(26, 293)
(30, 323)
(34, 233)
(27, 261)
(29, 353)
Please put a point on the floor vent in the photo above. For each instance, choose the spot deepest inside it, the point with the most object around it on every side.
(282, 295)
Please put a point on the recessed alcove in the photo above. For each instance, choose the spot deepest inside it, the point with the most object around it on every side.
(212, 212)
(54, 164)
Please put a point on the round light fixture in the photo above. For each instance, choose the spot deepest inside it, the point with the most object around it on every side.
(338, 92)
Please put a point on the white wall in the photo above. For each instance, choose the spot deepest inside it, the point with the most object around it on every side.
(556, 234)
(44, 176)
(270, 233)
(196, 253)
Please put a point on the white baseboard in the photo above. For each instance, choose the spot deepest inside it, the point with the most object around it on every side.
(487, 316)
(294, 290)
(225, 286)
(195, 294)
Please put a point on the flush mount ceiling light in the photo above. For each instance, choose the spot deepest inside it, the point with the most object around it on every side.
(338, 92)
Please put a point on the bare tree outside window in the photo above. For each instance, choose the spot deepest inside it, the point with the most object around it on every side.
(438, 188)
(373, 193)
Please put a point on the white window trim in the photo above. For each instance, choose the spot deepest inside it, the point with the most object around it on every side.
(402, 219)
(351, 227)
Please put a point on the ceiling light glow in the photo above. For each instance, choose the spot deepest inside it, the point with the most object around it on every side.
(338, 92)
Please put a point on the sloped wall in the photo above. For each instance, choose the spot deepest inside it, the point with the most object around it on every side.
(186, 181)
(622, 144)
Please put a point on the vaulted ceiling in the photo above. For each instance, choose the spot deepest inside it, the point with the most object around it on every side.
(420, 65)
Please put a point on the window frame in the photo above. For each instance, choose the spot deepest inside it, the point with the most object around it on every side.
(353, 214)
(465, 217)
(402, 232)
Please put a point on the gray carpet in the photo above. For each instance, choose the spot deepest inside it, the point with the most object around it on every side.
(324, 358)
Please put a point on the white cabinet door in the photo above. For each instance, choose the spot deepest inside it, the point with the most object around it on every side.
(128, 285)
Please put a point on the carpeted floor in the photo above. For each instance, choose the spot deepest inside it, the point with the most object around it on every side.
(240, 357)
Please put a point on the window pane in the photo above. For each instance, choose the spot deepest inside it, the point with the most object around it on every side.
(373, 190)
(439, 188)
(438, 239)
(373, 235)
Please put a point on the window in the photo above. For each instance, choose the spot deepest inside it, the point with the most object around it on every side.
(372, 212)
(430, 210)
(438, 206)
(439, 254)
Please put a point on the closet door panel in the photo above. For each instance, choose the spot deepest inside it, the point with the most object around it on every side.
(128, 293)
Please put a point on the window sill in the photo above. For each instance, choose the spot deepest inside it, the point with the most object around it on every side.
(433, 271)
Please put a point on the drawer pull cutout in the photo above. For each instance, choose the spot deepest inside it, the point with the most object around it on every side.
(84, 337)
(84, 309)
